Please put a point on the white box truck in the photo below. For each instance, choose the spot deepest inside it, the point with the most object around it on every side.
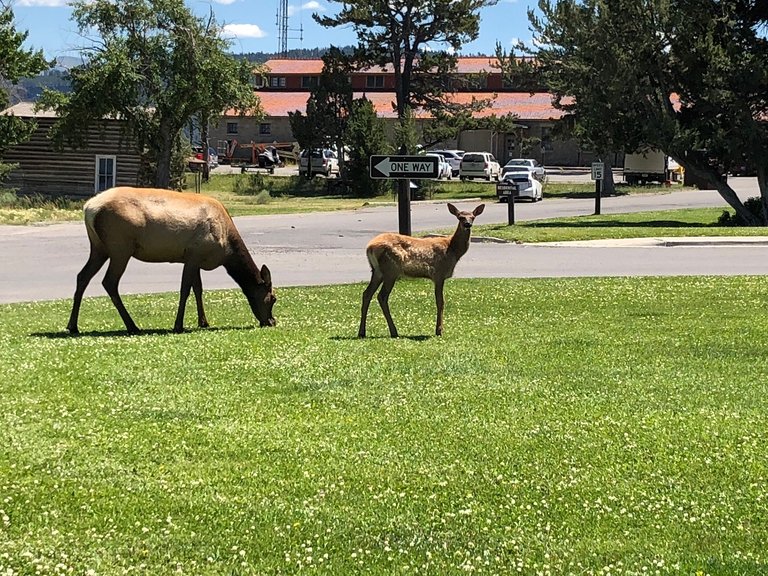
(646, 166)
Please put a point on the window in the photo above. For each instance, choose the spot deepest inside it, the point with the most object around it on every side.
(309, 81)
(231, 127)
(105, 172)
(277, 81)
(374, 81)
(265, 128)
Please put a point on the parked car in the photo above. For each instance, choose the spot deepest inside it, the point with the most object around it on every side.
(479, 165)
(324, 162)
(530, 163)
(528, 185)
(453, 157)
(213, 156)
(444, 169)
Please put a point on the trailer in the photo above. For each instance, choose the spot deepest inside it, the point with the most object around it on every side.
(646, 166)
(253, 156)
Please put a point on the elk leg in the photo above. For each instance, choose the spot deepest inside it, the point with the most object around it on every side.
(187, 280)
(197, 287)
(111, 280)
(383, 298)
(440, 301)
(95, 262)
(373, 285)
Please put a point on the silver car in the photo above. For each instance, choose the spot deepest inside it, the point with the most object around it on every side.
(479, 165)
(453, 158)
(533, 165)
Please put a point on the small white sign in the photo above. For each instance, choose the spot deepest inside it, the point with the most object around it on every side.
(597, 170)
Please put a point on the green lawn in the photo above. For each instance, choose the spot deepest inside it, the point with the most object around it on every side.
(561, 426)
(676, 223)
(258, 194)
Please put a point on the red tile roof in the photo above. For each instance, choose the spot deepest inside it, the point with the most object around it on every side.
(526, 106)
(464, 65)
(308, 67)
(289, 66)
(477, 64)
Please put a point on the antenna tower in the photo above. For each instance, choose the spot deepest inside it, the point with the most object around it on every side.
(282, 28)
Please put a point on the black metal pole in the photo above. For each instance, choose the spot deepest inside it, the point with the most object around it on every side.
(511, 209)
(598, 188)
(404, 206)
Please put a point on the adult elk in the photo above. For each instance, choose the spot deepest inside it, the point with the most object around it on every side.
(394, 255)
(163, 226)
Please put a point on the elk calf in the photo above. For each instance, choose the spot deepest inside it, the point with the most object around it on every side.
(394, 255)
(162, 226)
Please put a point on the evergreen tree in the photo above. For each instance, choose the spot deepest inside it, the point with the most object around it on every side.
(689, 77)
(16, 63)
(364, 138)
(417, 40)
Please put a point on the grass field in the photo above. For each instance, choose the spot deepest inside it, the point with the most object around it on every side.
(575, 426)
(650, 224)
(257, 194)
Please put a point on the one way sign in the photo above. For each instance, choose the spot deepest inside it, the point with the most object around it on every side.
(404, 167)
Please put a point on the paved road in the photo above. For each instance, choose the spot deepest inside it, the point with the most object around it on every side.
(41, 262)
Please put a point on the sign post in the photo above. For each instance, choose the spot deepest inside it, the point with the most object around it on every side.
(597, 175)
(510, 191)
(403, 167)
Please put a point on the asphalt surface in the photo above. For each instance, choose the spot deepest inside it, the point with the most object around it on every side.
(41, 262)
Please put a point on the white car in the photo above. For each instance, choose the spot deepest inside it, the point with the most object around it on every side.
(324, 162)
(453, 157)
(530, 163)
(443, 167)
(528, 185)
(479, 165)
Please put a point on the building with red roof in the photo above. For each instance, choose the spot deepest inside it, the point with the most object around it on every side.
(289, 82)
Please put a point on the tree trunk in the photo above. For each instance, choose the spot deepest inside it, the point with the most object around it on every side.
(609, 186)
(762, 182)
(164, 155)
(204, 143)
(713, 180)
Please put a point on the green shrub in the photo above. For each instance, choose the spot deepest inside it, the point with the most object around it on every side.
(263, 197)
(754, 205)
(10, 199)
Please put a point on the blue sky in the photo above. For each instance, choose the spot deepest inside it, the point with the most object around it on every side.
(251, 25)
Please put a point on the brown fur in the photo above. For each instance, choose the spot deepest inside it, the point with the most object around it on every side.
(154, 225)
(392, 256)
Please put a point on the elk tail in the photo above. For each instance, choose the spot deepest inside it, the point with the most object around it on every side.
(372, 259)
(90, 212)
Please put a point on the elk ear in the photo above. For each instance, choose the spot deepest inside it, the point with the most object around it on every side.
(266, 275)
(452, 209)
(479, 210)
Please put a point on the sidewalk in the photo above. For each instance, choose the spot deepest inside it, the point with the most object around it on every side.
(666, 242)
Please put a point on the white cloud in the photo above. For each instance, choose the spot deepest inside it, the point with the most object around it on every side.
(244, 31)
(312, 5)
(45, 3)
(225, 2)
